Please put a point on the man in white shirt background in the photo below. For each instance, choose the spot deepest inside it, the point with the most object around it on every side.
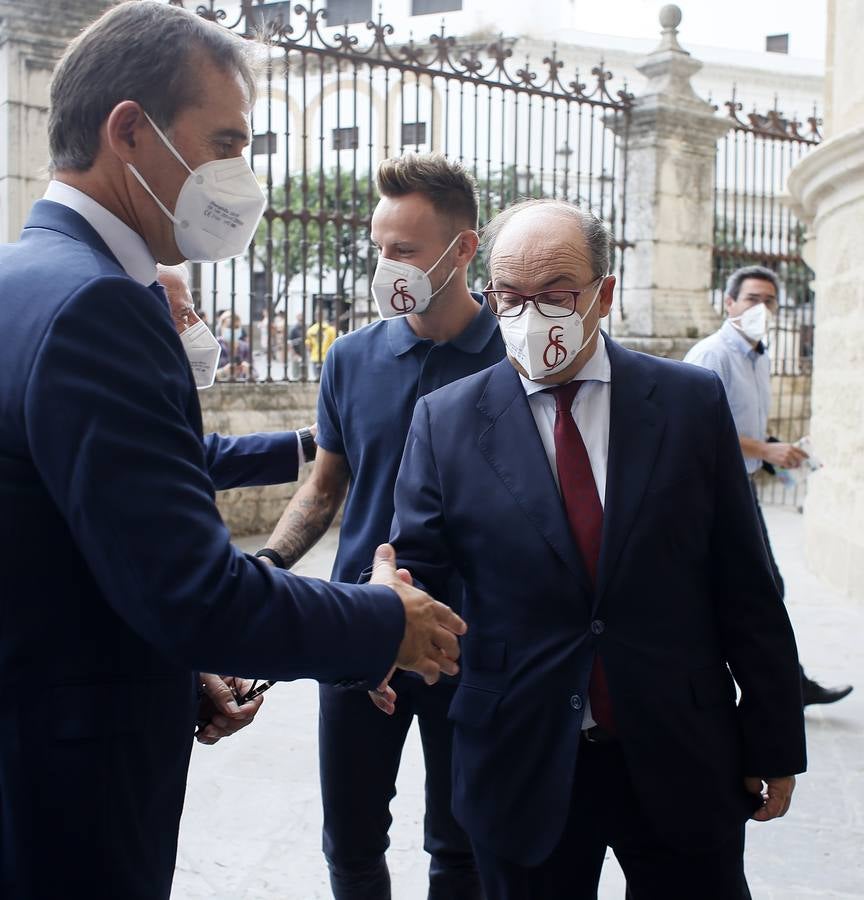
(739, 353)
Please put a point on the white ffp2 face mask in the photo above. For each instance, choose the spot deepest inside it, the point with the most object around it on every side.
(217, 210)
(753, 323)
(202, 350)
(401, 289)
(544, 346)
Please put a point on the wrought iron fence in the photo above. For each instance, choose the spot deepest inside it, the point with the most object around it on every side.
(753, 227)
(331, 107)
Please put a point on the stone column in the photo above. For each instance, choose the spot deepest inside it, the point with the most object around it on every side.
(670, 204)
(827, 191)
(33, 35)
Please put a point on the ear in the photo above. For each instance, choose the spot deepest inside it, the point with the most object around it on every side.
(123, 129)
(728, 303)
(606, 297)
(466, 247)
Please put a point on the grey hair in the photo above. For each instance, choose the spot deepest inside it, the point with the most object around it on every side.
(739, 276)
(597, 236)
(180, 271)
(140, 50)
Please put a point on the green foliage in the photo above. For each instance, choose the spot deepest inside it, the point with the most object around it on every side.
(499, 189)
(321, 226)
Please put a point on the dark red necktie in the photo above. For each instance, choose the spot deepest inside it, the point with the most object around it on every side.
(585, 515)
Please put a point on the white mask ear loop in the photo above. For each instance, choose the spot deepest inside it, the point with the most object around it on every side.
(596, 295)
(178, 157)
(590, 337)
(168, 144)
(448, 280)
(447, 249)
(452, 271)
(146, 187)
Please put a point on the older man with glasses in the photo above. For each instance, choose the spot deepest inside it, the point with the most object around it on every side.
(595, 505)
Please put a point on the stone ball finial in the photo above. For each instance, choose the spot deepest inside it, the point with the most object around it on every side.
(670, 19)
(670, 16)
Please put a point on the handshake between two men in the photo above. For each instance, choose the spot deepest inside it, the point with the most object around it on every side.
(430, 646)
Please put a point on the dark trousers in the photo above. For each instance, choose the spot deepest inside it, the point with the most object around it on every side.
(604, 813)
(775, 571)
(360, 748)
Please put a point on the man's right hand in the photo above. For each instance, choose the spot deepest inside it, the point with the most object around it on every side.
(429, 645)
(787, 456)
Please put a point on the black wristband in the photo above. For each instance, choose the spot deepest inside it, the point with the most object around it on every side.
(273, 556)
(307, 442)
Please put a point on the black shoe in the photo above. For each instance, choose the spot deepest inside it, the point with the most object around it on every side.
(813, 692)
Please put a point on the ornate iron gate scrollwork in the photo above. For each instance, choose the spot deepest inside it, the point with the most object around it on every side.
(753, 227)
(331, 106)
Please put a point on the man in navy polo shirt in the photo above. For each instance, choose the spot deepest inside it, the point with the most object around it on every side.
(433, 331)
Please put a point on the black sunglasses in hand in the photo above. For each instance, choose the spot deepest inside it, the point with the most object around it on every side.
(207, 713)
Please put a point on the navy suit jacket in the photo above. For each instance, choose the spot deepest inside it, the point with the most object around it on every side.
(246, 460)
(684, 593)
(119, 579)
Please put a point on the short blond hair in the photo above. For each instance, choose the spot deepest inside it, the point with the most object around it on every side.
(446, 182)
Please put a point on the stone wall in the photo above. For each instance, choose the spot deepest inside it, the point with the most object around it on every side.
(239, 409)
(33, 35)
(672, 139)
(827, 190)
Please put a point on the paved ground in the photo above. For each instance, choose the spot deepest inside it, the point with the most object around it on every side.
(251, 830)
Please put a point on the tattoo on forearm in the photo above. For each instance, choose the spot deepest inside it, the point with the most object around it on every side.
(304, 522)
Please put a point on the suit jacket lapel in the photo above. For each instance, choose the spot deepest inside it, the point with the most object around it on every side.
(513, 448)
(636, 426)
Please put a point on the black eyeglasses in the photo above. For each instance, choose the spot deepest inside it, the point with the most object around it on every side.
(253, 692)
(241, 696)
(552, 304)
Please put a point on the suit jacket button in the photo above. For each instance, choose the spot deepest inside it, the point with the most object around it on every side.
(576, 701)
(598, 626)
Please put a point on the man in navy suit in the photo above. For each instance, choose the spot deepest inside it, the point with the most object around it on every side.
(596, 505)
(260, 458)
(286, 451)
(120, 582)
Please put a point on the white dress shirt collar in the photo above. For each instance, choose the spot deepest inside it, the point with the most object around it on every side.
(597, 368)
(127, 245)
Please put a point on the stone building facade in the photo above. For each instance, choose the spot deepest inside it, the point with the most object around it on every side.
(240, 409)
(33, 35)
(827, 190)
